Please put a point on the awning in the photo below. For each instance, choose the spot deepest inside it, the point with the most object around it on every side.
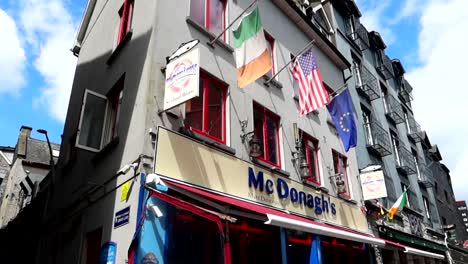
(423, 253)
(282, 218)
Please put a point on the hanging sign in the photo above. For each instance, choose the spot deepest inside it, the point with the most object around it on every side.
(182, 78)
(373, 185)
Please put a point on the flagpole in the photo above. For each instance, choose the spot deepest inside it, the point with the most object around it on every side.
(287, 64)
(232, 23)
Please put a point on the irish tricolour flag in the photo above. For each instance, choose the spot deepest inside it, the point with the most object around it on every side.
(252, 55)
(398, 205)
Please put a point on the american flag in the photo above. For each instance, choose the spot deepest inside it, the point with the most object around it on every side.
(312, 93)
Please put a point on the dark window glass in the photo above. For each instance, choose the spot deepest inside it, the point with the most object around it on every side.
(272, 140)
(215, 111)
(266, 126)
(340, 165)
(309, 148)
(216, 16)
(194, 110)
(197, 11)
(93, 245)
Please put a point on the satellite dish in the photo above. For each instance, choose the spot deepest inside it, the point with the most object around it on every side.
(370, 168)
(183, 48)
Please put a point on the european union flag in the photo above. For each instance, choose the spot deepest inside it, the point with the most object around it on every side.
(341, 111)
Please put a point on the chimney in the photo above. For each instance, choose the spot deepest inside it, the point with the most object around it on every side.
(25, 133)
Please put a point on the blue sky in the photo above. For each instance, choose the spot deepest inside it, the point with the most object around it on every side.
(36, 66)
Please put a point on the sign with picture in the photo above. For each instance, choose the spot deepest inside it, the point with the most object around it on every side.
(182, 79)
(373, 185)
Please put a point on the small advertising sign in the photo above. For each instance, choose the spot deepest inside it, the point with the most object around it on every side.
(107, 253)
(182, 79)
(373, 185)
(122, 217)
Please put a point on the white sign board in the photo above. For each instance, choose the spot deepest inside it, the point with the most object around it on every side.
(182, 79)
(373, 185)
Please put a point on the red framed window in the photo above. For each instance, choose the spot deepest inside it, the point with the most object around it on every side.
(125, 13)
(266, 128)
(310, 149)
(209, 13)
(206, 114)
(271, 46)
(340, 165)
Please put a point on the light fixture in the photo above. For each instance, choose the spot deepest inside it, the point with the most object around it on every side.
(255, 146)
(304, 170)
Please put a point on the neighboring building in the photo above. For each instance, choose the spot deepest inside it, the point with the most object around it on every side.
(226, 177)
(6, 158)
(462, 230)
(29, 163)
(390, 137)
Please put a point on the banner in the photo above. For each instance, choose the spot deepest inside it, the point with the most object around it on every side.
(373, 185)
(182, 79)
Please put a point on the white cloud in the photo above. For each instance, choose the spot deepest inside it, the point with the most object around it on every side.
(440, 84)
(373, 18)
(49, 29)
(12, 56)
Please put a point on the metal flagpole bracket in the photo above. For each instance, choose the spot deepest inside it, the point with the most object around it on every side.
(211, 43)
(181, 50)
(287, 64)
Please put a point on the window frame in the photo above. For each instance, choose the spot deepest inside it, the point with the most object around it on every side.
(427, 207)
(125, 20)
(267, 113)
(367, 120)
(207, 79)
(344, 159)
(77, 144)
(395, 144)
(271, 43)
(206, 15)
(330, 30)
(305, 139)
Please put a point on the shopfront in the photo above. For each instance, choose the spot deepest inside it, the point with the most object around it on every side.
(206, 206)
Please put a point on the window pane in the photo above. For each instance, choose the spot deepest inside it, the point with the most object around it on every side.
(272, 140)
(258, 129)
(194, 110)
(312, 159)
(93, 121)
(216, 16)
(215, 111)
(270, 44)
(197, 11)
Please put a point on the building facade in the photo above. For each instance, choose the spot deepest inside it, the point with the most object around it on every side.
(462, 229)
(233, 175)
(29, 164)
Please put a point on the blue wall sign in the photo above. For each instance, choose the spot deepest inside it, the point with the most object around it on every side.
(107, 253)
(122, 217)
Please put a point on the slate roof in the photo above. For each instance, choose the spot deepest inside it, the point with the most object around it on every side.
(37, 151)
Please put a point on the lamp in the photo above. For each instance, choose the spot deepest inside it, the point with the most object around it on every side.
(304, 170)
(52, 163)
(255, 145)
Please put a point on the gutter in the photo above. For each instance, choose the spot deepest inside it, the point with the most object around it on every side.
(83, 26)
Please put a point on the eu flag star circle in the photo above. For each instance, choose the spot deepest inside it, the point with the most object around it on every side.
(342, 118)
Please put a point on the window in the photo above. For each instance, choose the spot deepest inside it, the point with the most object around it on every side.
(384, 97)
(271, 47)
(395, 145)
(126, 14)
(209, 13)
(436, 189)
(446, 196)
(93, 245)
(352, 27)
(444, 221)
(426, 206)
(310, 149)
(357, 70)
(366, 116)
(266, 129)
(206, 114)
(416, 162)
(321, 18)
(340, 165)
(100, 118)
(407, 122)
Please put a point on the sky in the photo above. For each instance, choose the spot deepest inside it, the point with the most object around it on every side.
(428, 36)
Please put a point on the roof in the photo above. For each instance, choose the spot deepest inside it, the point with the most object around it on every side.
(38, 151)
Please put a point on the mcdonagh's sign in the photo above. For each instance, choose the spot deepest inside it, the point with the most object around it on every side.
(185, 160)
(319, 203)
